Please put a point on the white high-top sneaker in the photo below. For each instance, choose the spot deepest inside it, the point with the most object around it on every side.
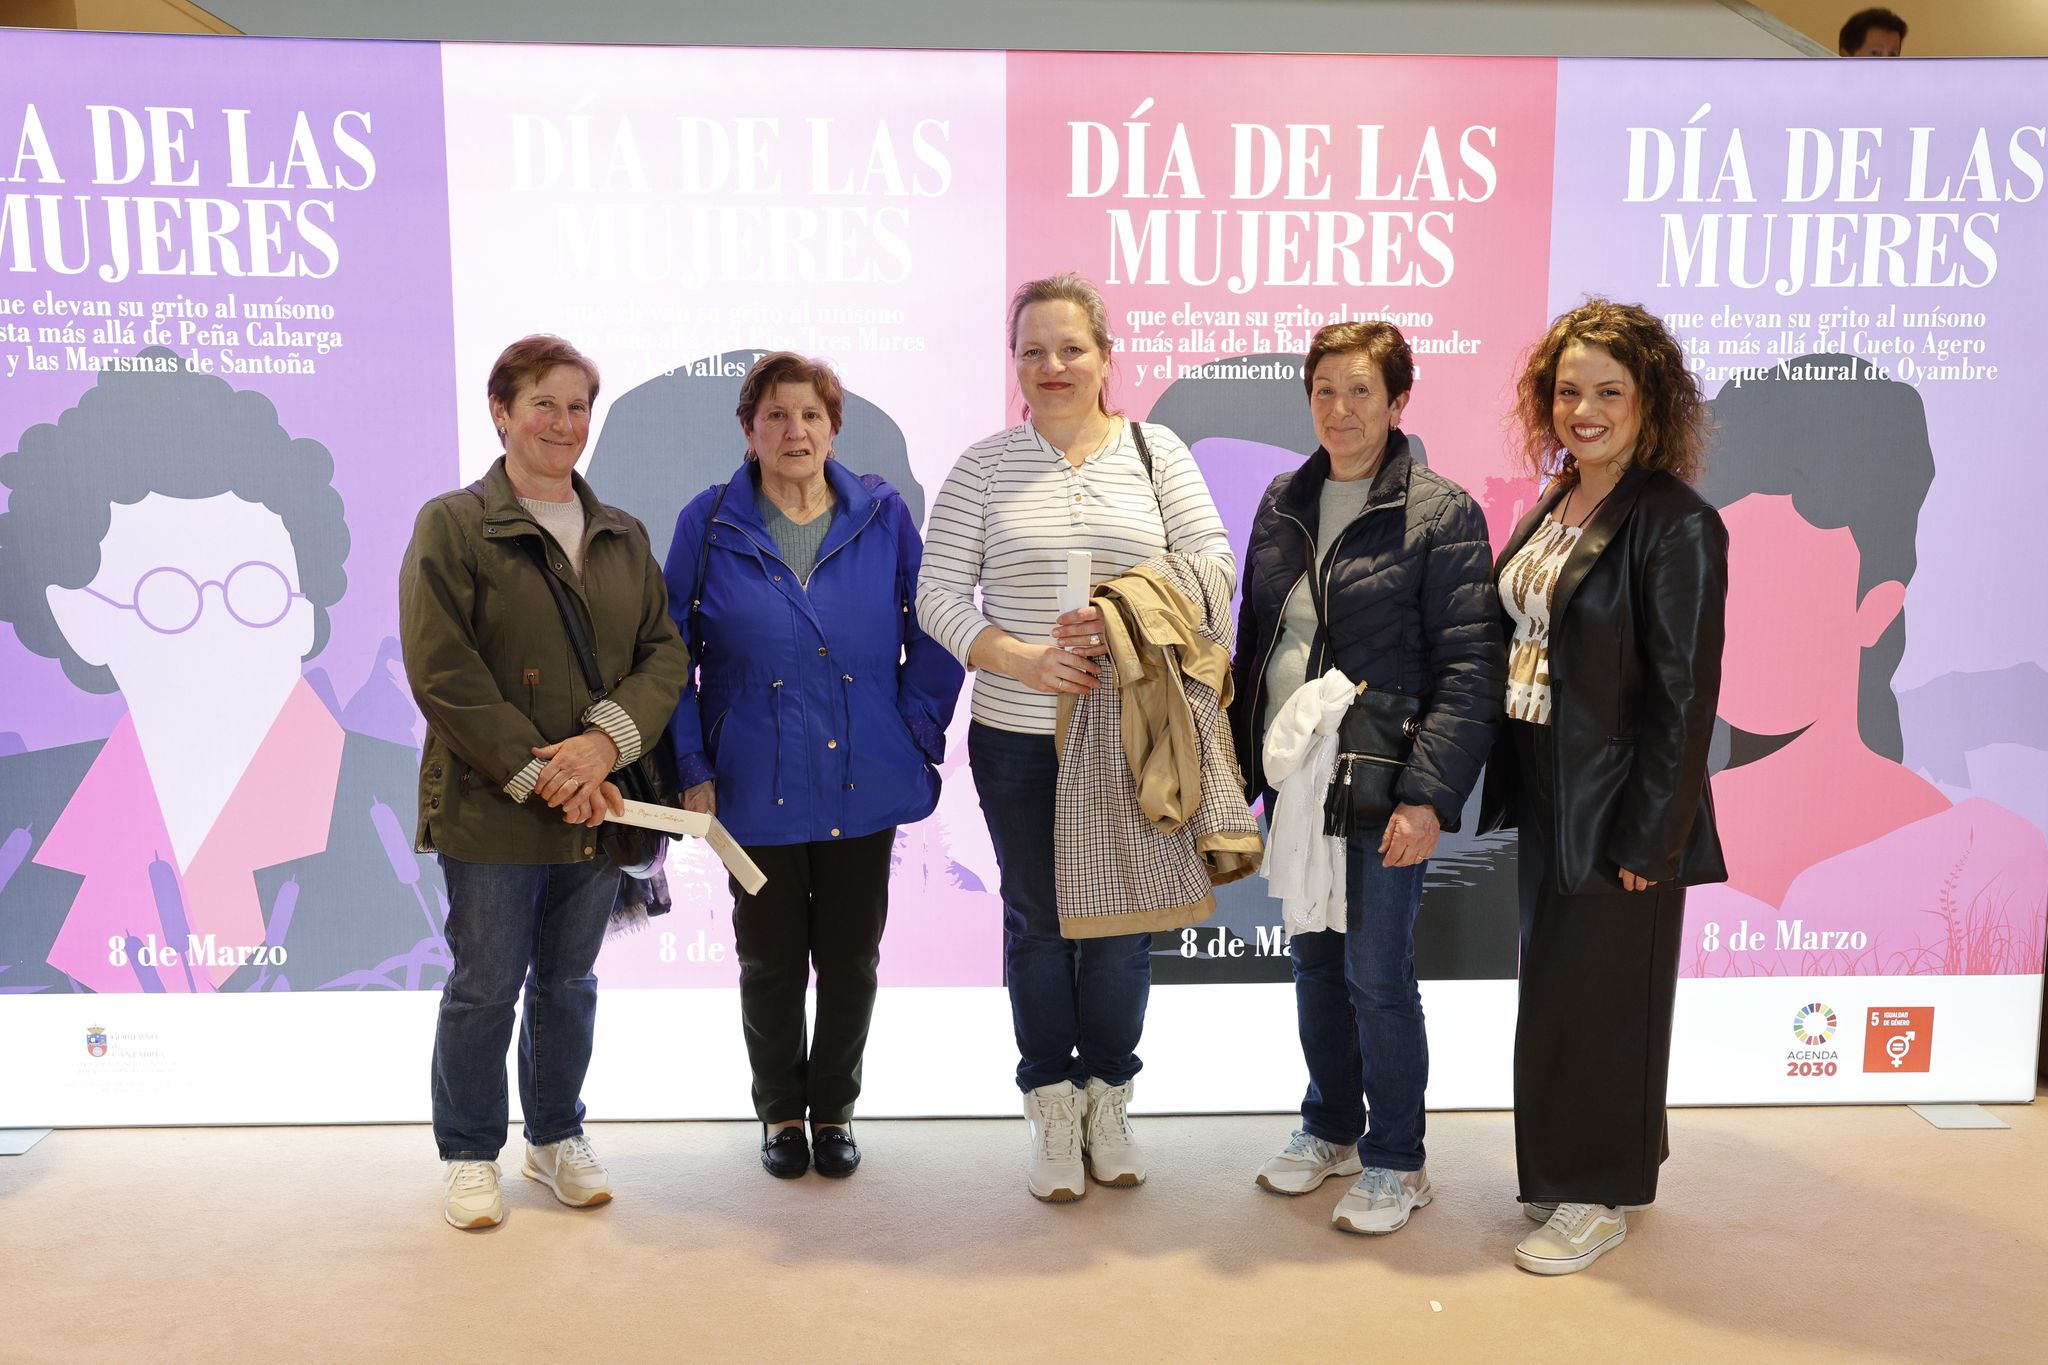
(1114, 1157)
(472, 1199)
(571, 1170)
(1056, 1113)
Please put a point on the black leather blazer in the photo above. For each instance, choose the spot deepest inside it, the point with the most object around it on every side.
(1635, 676)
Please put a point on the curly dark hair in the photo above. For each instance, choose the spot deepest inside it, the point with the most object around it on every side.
(1673, 434)
(146, 430)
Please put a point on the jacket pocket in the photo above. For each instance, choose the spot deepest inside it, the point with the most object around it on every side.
(713, 734)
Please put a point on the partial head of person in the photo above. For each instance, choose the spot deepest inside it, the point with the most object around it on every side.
(542, 391)
(1873, 33)
(1605, 390)
(1357, 375)
(166, 535)
(1060, 343)
(1820, 467)
(790, 411)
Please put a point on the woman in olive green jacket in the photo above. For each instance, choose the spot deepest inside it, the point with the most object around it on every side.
(515, 776)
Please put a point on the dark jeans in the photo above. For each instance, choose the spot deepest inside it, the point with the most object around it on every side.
(508, 924)
(1360, 1014)
(824, 905)
(1078, 1005)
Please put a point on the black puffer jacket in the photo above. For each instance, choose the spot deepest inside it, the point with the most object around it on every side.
(1404, 601)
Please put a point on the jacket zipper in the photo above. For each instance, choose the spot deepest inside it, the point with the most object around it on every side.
(846, 679)
(803, 582)
(1259, 675)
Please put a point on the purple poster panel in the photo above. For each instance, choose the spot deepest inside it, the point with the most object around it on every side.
(225, 336)
(1856, 262)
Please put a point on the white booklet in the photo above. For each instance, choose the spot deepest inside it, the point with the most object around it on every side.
(671, 820)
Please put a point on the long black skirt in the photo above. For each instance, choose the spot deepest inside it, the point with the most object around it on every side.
(1593, 1031)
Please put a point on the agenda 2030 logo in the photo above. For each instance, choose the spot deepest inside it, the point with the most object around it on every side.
(1813, 1028)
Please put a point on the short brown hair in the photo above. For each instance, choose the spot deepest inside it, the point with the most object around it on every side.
(787, 367)
(1672, 415)
(1068, 287)
(526, 360)
(1382, 342)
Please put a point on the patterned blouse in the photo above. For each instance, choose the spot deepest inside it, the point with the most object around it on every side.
(1525, 587)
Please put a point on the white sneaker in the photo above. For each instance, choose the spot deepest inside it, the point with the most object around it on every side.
(472, 1199)
(1576, 1236)
(1306, 1162)
(1056, 1113)
(1540, 1213)
(571, 1170)
(1114, 1157)
(1381, 1201)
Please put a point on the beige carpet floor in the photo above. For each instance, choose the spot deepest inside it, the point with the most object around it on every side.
(1844, 1234)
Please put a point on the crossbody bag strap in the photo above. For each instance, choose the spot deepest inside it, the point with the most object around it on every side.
(696, 613)
(572, 622)
(1145, 455)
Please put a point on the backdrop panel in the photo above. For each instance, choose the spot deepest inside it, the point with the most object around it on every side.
(250, 290)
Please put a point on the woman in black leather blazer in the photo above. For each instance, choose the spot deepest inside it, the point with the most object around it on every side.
(1612, 591)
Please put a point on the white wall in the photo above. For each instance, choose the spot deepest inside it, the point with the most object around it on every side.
(1591, 28)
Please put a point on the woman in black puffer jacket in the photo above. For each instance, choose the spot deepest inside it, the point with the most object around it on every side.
(1364, 561)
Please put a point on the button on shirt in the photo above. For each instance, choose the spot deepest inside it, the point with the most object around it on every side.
(1007, 516)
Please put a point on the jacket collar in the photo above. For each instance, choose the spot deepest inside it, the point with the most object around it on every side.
(1600, 531)
(742, 505)
(1303, 493)
(502, 509)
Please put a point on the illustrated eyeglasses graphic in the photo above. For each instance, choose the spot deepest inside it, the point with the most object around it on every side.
(170, 601)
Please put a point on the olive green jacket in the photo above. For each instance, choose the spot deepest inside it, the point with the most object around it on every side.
(492, 669)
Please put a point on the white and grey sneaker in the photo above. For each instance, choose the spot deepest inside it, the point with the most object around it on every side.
(1574, 1237)
(1056, 1113)
(1381, 1201)
(1306, 1162)
(1114, 1157)
(571, 1170)
(1538, 1213)
(471, 1197)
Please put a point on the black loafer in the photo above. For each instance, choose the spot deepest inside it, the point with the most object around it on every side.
(835, 1151)
(785, 1154)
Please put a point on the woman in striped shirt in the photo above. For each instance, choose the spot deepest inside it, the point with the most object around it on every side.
(1075, 476)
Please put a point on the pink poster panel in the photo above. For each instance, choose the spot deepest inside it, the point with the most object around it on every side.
(1231, 205)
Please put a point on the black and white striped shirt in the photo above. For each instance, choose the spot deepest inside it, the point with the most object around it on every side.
(1007, 516)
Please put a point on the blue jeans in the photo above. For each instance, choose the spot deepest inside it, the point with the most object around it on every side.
(1078, 1005)
(510, 924)
(1360, 1014)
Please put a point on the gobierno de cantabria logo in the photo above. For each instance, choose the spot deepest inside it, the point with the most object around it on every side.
(1814, 1024)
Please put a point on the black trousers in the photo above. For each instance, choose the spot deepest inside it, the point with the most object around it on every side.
(824, 906)
(1593, 1031)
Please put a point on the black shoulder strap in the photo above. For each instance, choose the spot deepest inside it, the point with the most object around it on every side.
(1144, 452)
(695, 614)
(572, 620)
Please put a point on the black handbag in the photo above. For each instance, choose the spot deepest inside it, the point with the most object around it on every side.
(650, 778)
(1373, 743)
